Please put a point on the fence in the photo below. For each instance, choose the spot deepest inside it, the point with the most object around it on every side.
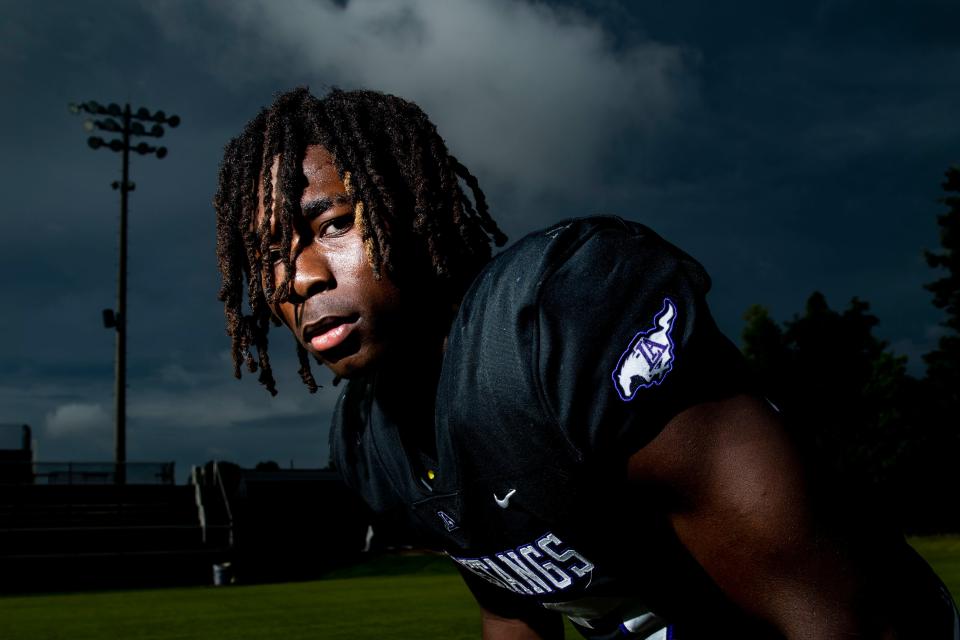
(59, 473)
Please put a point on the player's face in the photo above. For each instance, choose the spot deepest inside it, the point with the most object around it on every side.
(337, 309)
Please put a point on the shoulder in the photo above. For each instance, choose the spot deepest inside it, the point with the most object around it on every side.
(542, 333)
(581, 253)
(570, 242)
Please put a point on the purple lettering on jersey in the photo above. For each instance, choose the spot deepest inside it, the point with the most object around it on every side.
(565, 556)
(513, 584)
(550, 571)
(519, 570)
(478, 568)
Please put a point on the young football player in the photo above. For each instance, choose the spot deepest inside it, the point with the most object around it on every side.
(565, 420)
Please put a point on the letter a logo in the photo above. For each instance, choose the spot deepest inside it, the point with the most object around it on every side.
(649, 358)
(448, 522)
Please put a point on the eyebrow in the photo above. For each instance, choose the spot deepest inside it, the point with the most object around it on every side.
(318, 206)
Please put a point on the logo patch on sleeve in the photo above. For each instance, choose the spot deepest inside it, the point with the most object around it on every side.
(649, 358)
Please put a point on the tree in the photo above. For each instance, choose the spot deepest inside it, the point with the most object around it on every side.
(929, 470)
(839, 387)
(765, 348)
(943, 364)
(850, 402)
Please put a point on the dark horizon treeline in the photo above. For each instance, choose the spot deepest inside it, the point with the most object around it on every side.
(852, 404)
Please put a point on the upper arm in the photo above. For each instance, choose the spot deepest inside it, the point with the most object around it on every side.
(740, 502)
(629, 362)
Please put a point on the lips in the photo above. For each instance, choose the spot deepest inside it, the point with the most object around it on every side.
(329, 331)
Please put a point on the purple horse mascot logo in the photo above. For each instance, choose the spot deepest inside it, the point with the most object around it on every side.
(649, 358)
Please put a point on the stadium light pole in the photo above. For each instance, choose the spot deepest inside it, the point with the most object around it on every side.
(131, 123)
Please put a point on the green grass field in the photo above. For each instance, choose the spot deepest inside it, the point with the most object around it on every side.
(943, 554)
(414, 597)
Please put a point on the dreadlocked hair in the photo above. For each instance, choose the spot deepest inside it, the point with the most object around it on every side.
(414, 218)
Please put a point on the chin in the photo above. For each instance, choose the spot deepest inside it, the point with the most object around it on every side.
(357, 363)
(346, 372)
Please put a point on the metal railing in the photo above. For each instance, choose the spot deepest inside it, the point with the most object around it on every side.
(226, 502)
(86, 473)
(196, 479)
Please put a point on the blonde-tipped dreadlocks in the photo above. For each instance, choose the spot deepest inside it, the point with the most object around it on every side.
(413, 216)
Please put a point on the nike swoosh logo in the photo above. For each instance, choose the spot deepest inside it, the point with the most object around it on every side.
(504, 502)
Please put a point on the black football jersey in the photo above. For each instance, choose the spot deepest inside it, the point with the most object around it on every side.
(570, 351)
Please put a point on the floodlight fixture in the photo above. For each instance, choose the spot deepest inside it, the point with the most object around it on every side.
(126, 127)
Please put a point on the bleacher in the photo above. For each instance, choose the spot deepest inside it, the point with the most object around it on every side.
(62, 520)
(71, 525)
(66, 526)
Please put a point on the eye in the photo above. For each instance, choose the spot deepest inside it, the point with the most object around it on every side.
(335, 227)
(275, 255)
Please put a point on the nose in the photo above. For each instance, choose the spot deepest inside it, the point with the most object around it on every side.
(311, 274)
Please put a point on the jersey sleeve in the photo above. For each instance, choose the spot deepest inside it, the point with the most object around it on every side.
(626, 341)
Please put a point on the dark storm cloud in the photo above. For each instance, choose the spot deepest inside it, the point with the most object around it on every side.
(60, 240)
(814, 158)
(790, 147)
(214, 64)
(527, 95)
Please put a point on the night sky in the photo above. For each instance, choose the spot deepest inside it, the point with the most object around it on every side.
(791, 147)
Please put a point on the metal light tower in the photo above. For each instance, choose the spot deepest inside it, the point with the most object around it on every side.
(130, 124)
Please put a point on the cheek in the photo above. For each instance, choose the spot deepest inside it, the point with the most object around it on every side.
(357, 269)
(354, 274)
(287, 313)
(381, 294)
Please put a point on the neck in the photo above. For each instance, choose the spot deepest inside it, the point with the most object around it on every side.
(407, 387)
